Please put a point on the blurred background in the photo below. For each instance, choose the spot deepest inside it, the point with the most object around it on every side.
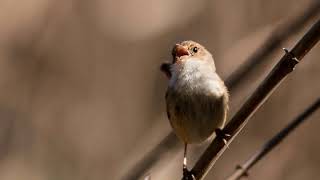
(82, 96)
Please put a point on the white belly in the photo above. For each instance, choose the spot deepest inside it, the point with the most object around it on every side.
(196, 103)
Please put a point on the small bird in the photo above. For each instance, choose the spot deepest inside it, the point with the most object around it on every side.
(196, 97)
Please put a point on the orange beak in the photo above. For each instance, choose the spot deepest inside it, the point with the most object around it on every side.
(179, 51)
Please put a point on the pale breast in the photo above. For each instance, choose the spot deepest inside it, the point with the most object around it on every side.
(196, 104)
(196, 76)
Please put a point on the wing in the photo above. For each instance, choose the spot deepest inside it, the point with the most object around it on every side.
(165, 68)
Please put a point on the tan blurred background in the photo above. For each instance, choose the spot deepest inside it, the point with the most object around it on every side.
(82, 96)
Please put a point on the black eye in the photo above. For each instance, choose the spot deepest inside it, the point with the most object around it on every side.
(195, 49)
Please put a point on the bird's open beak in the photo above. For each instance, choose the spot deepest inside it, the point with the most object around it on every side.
(179, 51)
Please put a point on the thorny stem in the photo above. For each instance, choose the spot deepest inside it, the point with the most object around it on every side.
(273, 43)
(279, 35)
(241, 171)
(279, 72)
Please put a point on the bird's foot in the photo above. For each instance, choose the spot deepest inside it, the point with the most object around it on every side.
(188, 175)
(222, 135)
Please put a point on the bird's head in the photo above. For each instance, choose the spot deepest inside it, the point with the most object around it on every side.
(187, 51)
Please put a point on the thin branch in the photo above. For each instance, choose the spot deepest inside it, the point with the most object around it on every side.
(279, 72)
(273, 43)
(171, 143)
(140, 168)
(242, 171)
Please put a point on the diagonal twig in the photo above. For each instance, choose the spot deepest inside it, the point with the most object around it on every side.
(170, 143)
(140, 168)
(284, 67)
(241, 171)
(273, 43)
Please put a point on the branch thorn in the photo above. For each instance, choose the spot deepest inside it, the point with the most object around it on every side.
(245, 172)
(291, 55)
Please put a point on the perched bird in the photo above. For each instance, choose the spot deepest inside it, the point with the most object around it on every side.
(196, 98)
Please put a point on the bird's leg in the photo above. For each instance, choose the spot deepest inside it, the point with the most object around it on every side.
(184, 166)
(222, 135)
(187, 175)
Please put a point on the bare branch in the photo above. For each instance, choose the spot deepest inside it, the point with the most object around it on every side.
(241, 171)
(170, 143)
(273, 43)
(140, 168)
(279, 72)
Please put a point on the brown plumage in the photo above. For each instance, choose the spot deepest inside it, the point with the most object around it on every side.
(196, 98)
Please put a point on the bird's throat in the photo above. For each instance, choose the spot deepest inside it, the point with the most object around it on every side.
(195, 77)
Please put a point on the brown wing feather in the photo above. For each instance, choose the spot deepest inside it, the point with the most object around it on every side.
(165, 68)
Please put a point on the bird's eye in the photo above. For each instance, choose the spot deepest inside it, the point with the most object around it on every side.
(195, 49)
